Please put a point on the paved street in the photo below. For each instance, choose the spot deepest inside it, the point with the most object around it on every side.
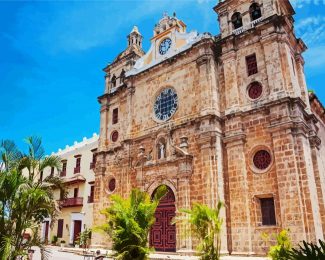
(55, 254)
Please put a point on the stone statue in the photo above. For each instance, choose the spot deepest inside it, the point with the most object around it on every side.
(162, 151)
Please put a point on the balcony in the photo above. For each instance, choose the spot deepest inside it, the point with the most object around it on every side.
(72, 202)
(63, 173)
(253, 23)
(90, 199)
(238, 30)
(76, 170)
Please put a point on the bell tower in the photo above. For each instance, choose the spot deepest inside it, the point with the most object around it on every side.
(135, 38)
(266, 105)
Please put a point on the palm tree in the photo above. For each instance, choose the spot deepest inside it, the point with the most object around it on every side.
(205, 225)
(25, 199)
(129, 222)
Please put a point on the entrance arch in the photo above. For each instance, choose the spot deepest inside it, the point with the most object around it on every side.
(163, 233)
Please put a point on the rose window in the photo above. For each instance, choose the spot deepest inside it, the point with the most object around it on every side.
(112, 185)
(255, 90)
(262, 160)
(114, 136)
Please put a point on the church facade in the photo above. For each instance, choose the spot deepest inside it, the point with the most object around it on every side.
(224, 117)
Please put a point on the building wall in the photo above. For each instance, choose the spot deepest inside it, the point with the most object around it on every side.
(212, 139)
(83, 181)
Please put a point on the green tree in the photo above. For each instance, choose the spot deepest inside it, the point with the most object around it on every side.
(129, 222)
(205, 225)
(25, 199)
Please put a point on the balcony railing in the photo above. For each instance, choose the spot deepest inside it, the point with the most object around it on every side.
(253, 23)
(76, 170)
(63, 173)
(72, 202)
(238, 30)
(90, 199)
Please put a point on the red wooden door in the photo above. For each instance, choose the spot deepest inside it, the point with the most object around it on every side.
(163, 233)
(76, 230)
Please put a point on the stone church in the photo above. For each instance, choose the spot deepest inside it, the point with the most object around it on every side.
(225, 117)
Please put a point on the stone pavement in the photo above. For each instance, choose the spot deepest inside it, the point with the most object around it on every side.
(57, 254)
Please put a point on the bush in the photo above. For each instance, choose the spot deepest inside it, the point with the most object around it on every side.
(54, 240)
(309, 251)
(282, 250)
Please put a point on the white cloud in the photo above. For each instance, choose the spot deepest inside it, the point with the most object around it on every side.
(303, 3)
(315, 58)
(311, 30)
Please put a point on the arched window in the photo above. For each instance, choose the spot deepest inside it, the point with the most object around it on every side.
(113, 82)
(122, 76)
(255, 11)
(161, 149)
(237, 20)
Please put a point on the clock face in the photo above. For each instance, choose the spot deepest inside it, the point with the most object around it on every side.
(166, 104)
(165, 46)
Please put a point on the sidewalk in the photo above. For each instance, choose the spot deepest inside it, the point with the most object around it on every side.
(160, 256)
(56, 253)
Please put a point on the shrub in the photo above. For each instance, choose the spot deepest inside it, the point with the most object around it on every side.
(309, 251)
(206, 225)
(54, 240)
(282, 250)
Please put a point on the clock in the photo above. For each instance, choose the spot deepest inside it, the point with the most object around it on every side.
(165, 46)
(166, 104)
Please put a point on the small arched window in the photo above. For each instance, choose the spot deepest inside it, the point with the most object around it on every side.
(255, 11)
(113, 81)
(237, 20)
(122, 76)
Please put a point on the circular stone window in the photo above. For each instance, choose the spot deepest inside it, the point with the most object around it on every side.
(112, 185)
(114, 136)
(165, 105)
(262, 160)
(255, 90)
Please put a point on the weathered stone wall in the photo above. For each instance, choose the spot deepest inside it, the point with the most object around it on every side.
(217, 130)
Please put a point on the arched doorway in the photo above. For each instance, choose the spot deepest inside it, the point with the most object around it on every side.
(163, 233)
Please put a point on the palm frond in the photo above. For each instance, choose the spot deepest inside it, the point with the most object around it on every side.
(35, 148)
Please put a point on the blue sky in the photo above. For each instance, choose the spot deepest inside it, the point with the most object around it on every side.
(52, 54)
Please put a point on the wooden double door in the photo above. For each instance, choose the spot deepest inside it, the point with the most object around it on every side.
(163, 233)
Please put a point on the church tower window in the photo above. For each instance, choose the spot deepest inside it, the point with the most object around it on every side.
(262, 160)
(237, 20)
(251, 64)
(114, 136)
(268, 212)
(112, 185)
(113, 81)
(115, 116)
(255, 90)
(255, 11)
(122, 76)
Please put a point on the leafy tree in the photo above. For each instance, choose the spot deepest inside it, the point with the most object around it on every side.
(25, 199)
(129, 222)
(206, 225)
